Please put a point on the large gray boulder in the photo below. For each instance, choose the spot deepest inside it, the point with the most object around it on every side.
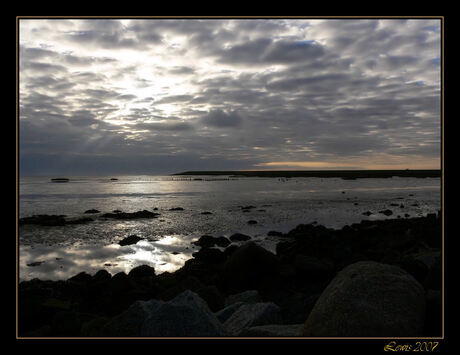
(368, 299)
(186, 315)
(251, 315)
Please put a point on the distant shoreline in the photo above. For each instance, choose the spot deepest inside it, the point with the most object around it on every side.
(344, 174)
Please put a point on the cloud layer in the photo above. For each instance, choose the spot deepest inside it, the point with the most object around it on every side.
(163, 95)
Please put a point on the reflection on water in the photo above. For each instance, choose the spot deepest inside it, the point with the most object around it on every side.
(63, 251)
(62, 262)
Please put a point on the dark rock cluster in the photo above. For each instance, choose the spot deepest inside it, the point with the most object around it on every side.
(320, 282)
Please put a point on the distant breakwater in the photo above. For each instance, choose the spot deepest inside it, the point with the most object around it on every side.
(344, 174)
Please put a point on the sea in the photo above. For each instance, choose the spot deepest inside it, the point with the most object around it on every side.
(209, 205)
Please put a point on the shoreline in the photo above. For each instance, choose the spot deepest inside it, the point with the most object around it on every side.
(306, 261)
(344, 174)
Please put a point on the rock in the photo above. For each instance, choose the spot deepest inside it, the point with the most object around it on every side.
(207, 241)
(60, 180)
(142, 271)
(367, 213)
(251, 315)
(185, 315)
(35, 263)
(386, 212)
(227, 312)
(132, 239)
(434, 277)
(313, 267)
(93, 327)
(252, 222)
(274, 234)
(81, 278)
(92, 211)
(206, 213)
(250, 296)
(249, 267)
(213, 297)
(274, 330)
(210, 255)
(238, 237)
(176, 209)
(79, 220)
(369, 299)
(433, 321)
(102, 276)
(117, 214)
(44, 220)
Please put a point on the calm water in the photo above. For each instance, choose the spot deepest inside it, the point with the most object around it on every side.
(280, 204)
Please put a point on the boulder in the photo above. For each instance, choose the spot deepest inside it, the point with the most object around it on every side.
(132, 239)
(274, 330)
(251, 315)
(250, 296)
(239, 237)
(228, 311)
(210, 256)
(92, 211)
(207, 241)
(185, 315)
(313, 267)
(249, 267)
(369, 299)
(117, 214)
(142, 271)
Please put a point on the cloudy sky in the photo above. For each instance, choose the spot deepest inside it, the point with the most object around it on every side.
(153, 96)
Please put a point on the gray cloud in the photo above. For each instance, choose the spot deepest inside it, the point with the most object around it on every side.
(222, 119)
(204, 94)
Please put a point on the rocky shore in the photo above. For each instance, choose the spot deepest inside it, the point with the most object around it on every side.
(369, 279)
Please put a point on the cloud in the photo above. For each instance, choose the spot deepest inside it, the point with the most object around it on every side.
(230, 92)
(222, 119)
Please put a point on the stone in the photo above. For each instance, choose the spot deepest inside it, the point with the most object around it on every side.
(208, 241)
(386, 212)
(186, 315)
(249, 296)
(251, 315)
(274, 330)
(92, 211)
(369, 299)
(227, 312)
(313, 267)
(132, 239)
(142, 271)
(239, 237)
(249, 267)
(117, 214)
(274, 234)
(210, 256)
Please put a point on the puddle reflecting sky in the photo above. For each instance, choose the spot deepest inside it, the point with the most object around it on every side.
(61, 262)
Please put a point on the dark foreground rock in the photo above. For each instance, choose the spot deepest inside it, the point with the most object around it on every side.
(186, 315)
(308, 281)
(369, 299)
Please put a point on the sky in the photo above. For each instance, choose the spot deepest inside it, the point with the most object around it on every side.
(160, 96)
